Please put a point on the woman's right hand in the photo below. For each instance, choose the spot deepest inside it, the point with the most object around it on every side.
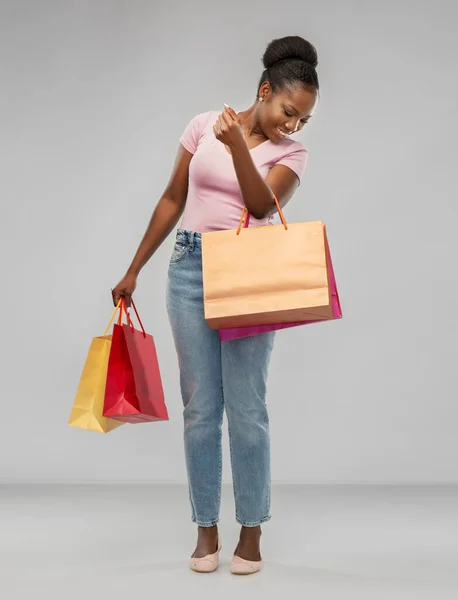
(124, 289)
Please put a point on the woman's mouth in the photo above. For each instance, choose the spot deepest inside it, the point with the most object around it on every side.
(282, 133)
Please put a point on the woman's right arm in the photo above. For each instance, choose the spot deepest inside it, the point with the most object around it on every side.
(165, 217)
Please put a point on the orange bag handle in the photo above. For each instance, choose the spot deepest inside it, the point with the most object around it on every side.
(244, 216)
(113, 316)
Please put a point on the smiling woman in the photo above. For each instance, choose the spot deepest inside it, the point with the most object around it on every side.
(286, 98)
(228, 161)
(290, 71)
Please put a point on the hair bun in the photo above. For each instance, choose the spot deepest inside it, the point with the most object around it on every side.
(291, 47)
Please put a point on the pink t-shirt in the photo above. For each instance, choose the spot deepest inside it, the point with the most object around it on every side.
(214, 199)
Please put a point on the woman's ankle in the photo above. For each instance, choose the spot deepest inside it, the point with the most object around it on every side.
(250, 532)
(210, 531)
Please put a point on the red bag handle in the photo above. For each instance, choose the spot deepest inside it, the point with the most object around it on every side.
(129, 320)
(124, 309)
(121, 306)
(138, 318)
(245, 218)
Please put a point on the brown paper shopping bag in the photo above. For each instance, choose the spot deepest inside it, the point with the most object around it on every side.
(267, 274)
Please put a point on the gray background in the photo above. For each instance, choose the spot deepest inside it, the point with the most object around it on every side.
(94, 98)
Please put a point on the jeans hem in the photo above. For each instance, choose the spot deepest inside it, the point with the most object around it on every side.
(205, 523)
(252, 523)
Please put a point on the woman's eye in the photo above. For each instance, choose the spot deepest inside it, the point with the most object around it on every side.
(287, 113)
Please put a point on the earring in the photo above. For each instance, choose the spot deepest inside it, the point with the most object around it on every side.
(261, 99)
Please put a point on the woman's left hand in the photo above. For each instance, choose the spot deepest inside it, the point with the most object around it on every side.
(228, 128)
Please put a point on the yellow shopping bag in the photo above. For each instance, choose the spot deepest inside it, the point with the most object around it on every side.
(87, 411)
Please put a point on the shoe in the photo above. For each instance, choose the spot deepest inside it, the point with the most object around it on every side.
(206, 564)
(240, 566)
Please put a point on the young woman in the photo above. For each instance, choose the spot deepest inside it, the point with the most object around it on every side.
(225, 161)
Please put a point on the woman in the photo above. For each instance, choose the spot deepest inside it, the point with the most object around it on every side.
(226, 161)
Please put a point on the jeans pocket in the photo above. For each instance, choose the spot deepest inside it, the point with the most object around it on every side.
(179, 252)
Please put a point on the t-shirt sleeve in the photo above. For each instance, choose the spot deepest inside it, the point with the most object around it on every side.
(296, 160)
(193, 131)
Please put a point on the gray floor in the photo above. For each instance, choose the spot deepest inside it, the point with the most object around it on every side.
(324, 542)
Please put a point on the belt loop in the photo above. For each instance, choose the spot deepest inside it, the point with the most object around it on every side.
(191, 241)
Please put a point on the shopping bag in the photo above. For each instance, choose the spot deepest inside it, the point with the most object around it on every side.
(87, 411)
(266, 275)
(233, 333)
(134, 392)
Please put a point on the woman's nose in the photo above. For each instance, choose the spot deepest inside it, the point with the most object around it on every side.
(292, 125)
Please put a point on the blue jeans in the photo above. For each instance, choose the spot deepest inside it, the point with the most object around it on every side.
(214, 376)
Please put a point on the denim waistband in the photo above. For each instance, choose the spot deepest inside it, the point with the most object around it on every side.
(190, 238)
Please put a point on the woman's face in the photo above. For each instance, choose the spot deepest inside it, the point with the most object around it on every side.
(285, 112)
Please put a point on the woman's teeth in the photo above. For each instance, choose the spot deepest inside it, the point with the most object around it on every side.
(285, 135)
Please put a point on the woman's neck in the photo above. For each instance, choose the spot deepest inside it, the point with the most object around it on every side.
(249, 120)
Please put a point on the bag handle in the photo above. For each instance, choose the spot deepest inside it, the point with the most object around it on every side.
(121, 306)
(124, 309)
(138, 318)
(113, 316)
(245, 217)
(129, 320)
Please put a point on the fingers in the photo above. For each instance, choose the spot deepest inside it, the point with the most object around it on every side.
(231, 112)
(222, 125)
(217, 128)
(227, 119)
(116, 297)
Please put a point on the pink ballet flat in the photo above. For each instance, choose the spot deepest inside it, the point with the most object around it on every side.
(240, 566)
(206, 564)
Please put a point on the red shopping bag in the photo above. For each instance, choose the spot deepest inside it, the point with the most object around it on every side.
(133, 389)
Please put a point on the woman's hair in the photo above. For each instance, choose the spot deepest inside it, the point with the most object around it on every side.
(289, 61)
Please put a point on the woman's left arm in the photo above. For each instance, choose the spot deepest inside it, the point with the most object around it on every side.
(257, 193)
